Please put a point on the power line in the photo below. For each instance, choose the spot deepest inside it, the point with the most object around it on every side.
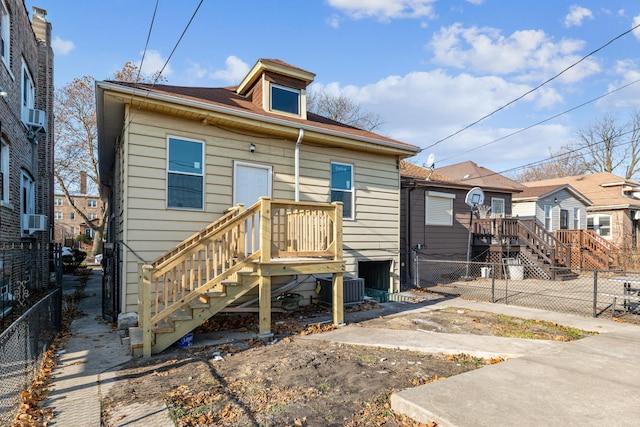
(545, 120)
(534, 89)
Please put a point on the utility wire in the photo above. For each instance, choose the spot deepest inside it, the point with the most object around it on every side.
(534, 89)
(146, 45)
(545, 120)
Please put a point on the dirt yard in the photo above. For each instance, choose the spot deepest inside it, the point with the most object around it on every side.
(295, 382)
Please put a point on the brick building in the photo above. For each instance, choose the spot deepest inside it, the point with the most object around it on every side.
(26, 132)
(68, 224)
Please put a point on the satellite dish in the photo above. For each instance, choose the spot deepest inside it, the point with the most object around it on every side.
(431, 161)
(474, 197)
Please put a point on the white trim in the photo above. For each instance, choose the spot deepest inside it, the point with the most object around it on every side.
(438, 208)
(5, 33)
(352, 190)
(439, 194)
(268, 168)
(244, 114)
(287, 89)
(202, 174)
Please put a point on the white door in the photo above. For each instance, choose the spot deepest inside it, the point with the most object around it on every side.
(250, 182)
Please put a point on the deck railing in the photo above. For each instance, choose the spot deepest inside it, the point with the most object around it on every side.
(266, 231)
(530, 232)
(603, 252)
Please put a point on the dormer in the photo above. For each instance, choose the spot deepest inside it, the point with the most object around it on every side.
(277, 87)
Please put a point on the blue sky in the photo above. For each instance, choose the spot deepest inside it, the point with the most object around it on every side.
(429, 68)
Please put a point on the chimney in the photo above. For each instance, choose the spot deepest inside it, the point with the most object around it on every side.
(83, 182)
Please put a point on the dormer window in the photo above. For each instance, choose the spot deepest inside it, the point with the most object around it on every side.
(277, 87)
(285, 99)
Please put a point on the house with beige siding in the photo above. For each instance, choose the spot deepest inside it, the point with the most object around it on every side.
(239, 192)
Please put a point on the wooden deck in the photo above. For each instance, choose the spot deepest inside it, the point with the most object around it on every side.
(241, 251)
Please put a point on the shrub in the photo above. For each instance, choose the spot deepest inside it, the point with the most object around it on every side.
(70, 263)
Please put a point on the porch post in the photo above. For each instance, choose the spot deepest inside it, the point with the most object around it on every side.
(338, 279)
(264, 287)
(264, 290)
(144, 306)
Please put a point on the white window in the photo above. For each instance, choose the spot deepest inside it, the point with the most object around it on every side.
(73, 216)
(27, 199)
(57, 215)
(185, 174)
(497, 207)
(576, 218)
(601, 224)
(547, 217)
(4, 172)
(28, 93)
(92, 216)
(5, 34)
(438, 208)
(57, 201)
(342, 188)
(92, 204)
(285, 99)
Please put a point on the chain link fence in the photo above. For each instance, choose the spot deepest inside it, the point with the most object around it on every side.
(30, 317)
(576, 291)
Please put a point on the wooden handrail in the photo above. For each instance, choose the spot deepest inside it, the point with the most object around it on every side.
(600, 249)
(267, 230)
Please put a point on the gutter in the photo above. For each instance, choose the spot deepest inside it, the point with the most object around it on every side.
(146, 94)
(297, 164)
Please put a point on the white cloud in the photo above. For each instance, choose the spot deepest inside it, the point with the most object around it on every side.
(62, 47)
(423, 107)
(384, 10)
(530, 54)
(195, 71)
(476, 2)
(235, 70)
(576, 15)
(334, 21)
(629, 97)
(153, 63)
(636, 21)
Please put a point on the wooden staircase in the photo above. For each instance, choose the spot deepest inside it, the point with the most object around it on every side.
(239, 252)
(590, 250)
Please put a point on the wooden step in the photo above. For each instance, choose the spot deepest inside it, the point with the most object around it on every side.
(163, 327)
(181, 314)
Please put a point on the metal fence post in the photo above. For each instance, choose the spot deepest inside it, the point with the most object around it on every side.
(493, 282)
(595, 293)
(416, 277)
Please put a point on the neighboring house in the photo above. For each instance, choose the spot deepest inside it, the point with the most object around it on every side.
(478, 176)
(26, 142)
(68, 224)
(556, 207)
(614, 213)
(174, 161)
(435, 219)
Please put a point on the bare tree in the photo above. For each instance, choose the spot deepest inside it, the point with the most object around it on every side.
(611, 144)
(565, 161)
(342, 109)
(76, 144)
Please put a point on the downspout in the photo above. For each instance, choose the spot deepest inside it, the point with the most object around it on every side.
(297, 164)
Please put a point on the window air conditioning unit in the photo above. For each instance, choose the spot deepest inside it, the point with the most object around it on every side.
(36, 118)
(35, 223)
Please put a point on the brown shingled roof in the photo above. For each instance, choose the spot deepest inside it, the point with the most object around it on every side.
(470, 173)
(409, 170)
(603, 188)
(227, 97)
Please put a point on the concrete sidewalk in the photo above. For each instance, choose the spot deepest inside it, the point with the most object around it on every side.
(87, 367)
(590, 382)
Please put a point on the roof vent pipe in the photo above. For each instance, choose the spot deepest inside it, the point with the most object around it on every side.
(297, 164)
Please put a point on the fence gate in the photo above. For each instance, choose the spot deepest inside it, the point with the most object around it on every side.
(110, 285)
